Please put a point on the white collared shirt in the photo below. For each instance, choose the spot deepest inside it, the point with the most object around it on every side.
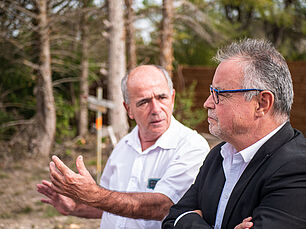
(234, 163)
(168, 167)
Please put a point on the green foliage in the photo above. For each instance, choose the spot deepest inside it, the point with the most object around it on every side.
(281, 22)
(50, 211)
(16, 90)
(185, 110)
(189, 49)
(25, 210)
(5, 215)
(3, 176)
(64, 117)
(68, 152)
(92, 162)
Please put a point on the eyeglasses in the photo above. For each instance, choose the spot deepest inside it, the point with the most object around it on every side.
(215, 92)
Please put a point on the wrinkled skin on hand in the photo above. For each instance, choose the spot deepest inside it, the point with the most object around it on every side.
(77, 186)
(62, 204)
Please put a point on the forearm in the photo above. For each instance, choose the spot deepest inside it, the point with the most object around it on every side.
(154, 206)
(85, 211)
(83, 189)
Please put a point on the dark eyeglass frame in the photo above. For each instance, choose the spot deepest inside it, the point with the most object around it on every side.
(215, 92)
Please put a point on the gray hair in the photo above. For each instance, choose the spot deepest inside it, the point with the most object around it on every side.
(125, 79)
(264, 68)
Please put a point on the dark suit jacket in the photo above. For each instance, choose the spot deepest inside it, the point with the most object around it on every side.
(272, 189)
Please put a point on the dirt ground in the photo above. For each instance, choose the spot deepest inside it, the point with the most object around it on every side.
(20, 205)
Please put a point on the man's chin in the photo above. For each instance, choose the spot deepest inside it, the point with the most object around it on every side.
(214, 131)
(158, 129)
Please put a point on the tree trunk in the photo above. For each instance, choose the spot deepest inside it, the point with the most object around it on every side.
(83, 115)
(46, 116)
(166, 52)
(117, 66)
(130, 36)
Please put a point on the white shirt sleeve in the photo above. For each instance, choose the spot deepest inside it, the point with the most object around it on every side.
(180, 216)
(183, 169)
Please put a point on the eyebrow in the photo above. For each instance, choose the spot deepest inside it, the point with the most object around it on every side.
(218, 88)
(138, 103)
(148, 99)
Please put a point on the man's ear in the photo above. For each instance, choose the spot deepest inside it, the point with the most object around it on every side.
(128, 110)
(265, 103)
(173, 99)
(173, 95)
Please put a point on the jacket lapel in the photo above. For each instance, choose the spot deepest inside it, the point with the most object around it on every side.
(212, 184)
(216, 183)
(261, 156)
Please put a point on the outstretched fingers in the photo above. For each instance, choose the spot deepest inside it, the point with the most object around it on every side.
(59, 171)
(55, 176)
(62, 168)
(43, 190)
(46, 190)
(81, 166)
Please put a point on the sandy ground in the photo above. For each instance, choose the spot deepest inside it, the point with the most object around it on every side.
(20, 203)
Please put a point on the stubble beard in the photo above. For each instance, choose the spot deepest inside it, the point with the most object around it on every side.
(222, 134)
(215, 130)
(213, 126)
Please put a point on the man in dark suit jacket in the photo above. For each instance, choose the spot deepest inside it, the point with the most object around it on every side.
(257, 177)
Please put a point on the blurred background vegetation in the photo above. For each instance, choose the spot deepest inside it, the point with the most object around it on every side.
(199, 28)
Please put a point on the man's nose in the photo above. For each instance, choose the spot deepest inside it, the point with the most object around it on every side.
(209, 103)
(156, 108)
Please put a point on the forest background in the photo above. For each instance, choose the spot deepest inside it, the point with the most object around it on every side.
(55, 53)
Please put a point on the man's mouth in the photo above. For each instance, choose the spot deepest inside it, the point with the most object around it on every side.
(154, 122)
(211, 118)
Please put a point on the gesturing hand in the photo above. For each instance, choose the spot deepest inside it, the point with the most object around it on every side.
(78, 186)
(62, 204)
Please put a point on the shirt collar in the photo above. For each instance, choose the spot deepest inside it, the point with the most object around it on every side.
(170, 138)
(132, 139)
(167, 140)
(249, 152)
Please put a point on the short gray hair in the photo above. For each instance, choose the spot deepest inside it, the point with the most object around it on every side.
(264, 68)
(125, 79)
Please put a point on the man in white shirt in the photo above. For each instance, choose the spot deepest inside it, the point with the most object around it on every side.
(257, 177)
(149, 169)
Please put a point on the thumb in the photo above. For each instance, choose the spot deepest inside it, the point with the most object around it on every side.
(81, 166)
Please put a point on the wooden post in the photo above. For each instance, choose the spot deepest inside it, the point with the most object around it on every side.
(99, 136)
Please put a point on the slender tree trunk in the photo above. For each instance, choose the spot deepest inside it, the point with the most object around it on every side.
(46, 116)
(83, 116)
(117, 66)
(166, 53)
(130, 36)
